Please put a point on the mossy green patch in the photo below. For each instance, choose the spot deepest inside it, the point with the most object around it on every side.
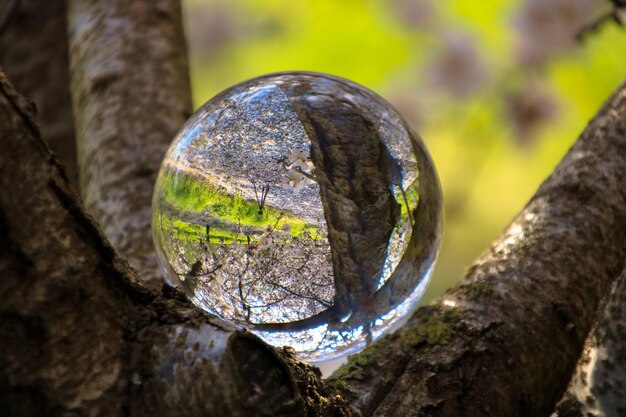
(432, 332)
(438, 330)
(483, 288)
(343, 387)
(357, 364)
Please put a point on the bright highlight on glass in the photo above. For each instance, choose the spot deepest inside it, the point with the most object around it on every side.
(301, 207)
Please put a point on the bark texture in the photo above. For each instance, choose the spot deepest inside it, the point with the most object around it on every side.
(130, 93)
(62, 333)
(358, 228)
(505, 341)
(598, 387)
(43, 77)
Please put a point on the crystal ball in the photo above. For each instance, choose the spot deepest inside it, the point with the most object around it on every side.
(302, 207)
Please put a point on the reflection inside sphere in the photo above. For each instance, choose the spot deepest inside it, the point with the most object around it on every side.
(302, 207)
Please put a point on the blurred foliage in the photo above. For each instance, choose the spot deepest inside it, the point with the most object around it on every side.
(498, 89)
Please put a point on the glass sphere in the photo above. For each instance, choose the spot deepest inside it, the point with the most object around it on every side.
(302, 207)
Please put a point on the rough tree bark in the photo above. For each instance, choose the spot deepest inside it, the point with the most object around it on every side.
(130, 92)
(79, 334)
(598, 387)
(61, 340)
(39, 25)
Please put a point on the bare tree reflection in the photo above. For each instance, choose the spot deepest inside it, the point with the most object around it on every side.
(270, 277)
(260, 194)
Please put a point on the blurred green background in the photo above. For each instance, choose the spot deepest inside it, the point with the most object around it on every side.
(498, 89)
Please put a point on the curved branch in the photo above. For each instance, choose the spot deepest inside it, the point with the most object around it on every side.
(130, 92)
(505, 341)
(598, 386)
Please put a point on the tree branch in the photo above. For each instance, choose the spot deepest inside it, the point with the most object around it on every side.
(615, 15)
(130, 92)
(505, 341)
(598, 387)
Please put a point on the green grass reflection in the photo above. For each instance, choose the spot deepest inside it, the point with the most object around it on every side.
(192, 196)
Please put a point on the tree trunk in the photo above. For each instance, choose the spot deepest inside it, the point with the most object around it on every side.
(62, 329)
(43, 76)
(131, 94)
(80, 335)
